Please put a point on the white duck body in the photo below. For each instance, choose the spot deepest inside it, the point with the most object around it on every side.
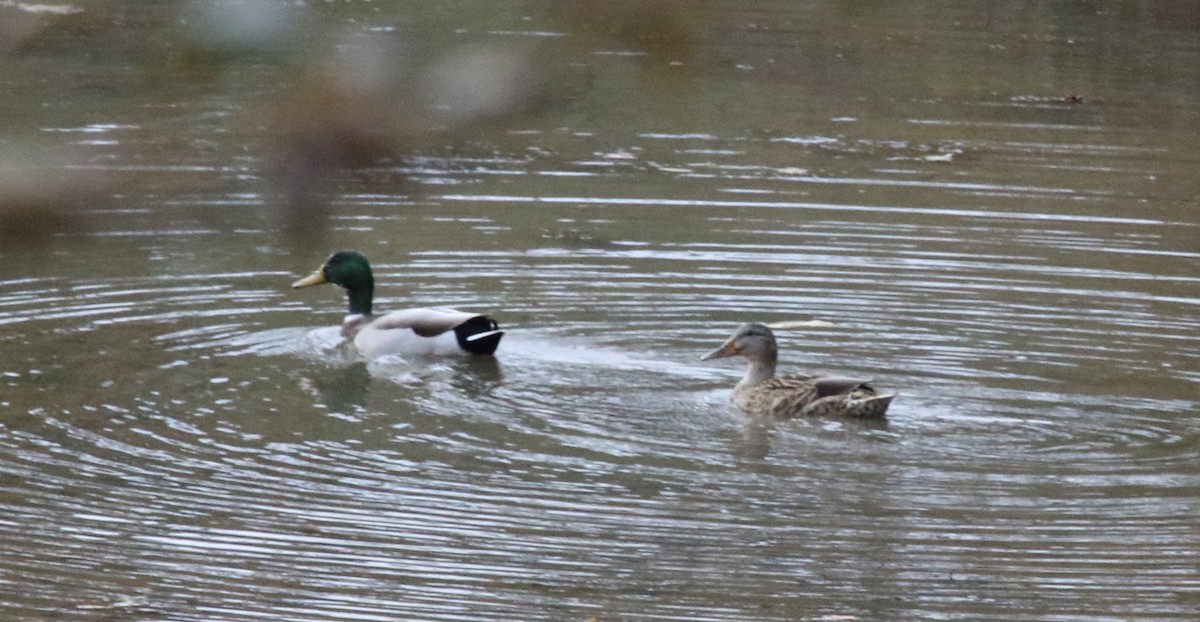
(414, 332)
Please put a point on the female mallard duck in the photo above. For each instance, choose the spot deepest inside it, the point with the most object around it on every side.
(761, 393)
(412, 332)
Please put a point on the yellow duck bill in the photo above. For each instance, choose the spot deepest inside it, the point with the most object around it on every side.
(316, 278)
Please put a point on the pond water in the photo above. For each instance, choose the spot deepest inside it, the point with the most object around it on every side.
(996, 208)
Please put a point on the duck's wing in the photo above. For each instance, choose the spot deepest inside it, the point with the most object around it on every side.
(426, 322)
(782, 396)
(837, 385)
(803, 395)
(431, 331)
(847, 397)
(791, 382)
(857, 404)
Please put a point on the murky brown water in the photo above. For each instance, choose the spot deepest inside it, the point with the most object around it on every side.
(996, 207)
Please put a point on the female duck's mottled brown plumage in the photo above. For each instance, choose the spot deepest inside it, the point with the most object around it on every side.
(760, 392)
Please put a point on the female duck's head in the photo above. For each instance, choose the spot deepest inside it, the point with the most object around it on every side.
(351, 271)
(754, 341)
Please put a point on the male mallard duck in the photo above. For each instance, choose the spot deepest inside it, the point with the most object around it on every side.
(410, 332)
(761, 393)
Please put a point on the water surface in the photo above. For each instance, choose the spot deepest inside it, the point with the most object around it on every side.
(995, 208)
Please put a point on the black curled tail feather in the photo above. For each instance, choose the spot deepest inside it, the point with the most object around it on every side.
(479, 335)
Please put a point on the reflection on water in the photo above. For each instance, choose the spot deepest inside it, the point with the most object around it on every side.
(342, 390)
(994, 209)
